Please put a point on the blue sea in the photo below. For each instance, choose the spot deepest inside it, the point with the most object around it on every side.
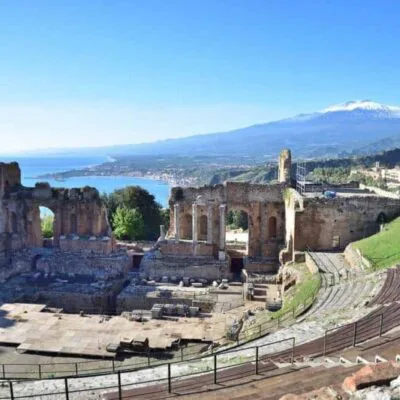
(31, 167)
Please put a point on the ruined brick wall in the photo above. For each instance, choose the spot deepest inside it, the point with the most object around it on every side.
(102, 245)
(95, 265)
(263, 204)
(76, 212)
(187, 248)
(10, 176)
(334, 223)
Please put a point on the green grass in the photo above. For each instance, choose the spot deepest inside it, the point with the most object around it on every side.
(301, 292)
(382, 249)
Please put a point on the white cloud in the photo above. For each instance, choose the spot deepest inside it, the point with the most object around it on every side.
(27, 127)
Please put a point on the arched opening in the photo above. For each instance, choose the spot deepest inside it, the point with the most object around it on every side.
(47, 226)
(272, 228)
(237, 239)
(35, 261)
(203, 227)
(73, 226)
(186, 227)
(382, 218)
(6, 189)
(14, 222)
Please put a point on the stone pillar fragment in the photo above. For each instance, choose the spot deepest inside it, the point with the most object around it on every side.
(162, 232)
(222, 212)
(176, 222)
(264, 222)
(194, 223)
(209, 224)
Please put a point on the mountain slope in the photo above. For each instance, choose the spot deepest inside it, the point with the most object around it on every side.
(340, 128)
(336, 130)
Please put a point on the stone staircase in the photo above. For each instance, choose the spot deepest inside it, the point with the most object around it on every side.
(260, 292)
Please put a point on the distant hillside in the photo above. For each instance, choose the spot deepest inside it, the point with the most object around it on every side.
(379, 145)
(267, 173)
(355, 127)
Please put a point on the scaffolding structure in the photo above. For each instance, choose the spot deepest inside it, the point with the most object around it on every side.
(301, 175)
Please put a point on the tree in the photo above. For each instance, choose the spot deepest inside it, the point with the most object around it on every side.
(47, 226)
(238, 219)
(135, 197)
(128, 224)
(165, 215)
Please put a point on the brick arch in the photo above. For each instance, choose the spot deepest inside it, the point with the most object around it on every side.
(203, 224)
(187, 226)
(272, 227)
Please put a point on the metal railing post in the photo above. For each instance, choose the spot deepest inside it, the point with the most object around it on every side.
(11, 391)
(169, 378)
(66, 388)
(119, 386)
(40, 371)
(76, 369)
(355, 334)
(3, 370)
(256, 360)
(325, 342)
(381, 325)
(148, 359)
(215, 369)
(113, 365)
(293, 348)
(181, 353)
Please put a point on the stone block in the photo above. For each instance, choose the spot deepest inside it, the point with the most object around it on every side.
(370, 375)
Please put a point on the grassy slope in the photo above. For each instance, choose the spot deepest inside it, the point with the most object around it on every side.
(382, 249)
(301, 292)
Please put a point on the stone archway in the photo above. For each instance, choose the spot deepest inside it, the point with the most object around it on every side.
(14, 222)
(272, 228)
(73, 224)
(203, 227)
(187, 227)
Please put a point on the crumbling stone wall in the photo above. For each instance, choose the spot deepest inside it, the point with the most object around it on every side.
(199, 215)
(323, 224)
(285, 166)
(77, 212)
(98, 266)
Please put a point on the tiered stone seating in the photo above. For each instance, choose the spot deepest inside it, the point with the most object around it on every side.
(390, 291)
(343, 297)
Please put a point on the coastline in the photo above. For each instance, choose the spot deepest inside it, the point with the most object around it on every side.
(163, 178)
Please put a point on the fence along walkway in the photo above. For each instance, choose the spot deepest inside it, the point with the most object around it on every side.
(213, 368)
(391, 288)
(85, 368)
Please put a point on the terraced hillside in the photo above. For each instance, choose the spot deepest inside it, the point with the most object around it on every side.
(382, 249)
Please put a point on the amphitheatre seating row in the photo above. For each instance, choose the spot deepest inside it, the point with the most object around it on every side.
(334, 266)
(379, 321)
(391, 288)
(345, 296)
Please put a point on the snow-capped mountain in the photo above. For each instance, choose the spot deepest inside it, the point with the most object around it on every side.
(358, 109)
(333, 130)
(363, 105)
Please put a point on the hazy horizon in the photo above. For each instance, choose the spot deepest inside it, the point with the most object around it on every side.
(84, 75)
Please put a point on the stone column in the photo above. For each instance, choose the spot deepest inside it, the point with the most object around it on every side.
(209, 224)
(264, 222)
(222, 211)
(176, 222)
(162, 232)
(194, 223)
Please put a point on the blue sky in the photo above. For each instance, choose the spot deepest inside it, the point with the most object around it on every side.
(79, 73)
